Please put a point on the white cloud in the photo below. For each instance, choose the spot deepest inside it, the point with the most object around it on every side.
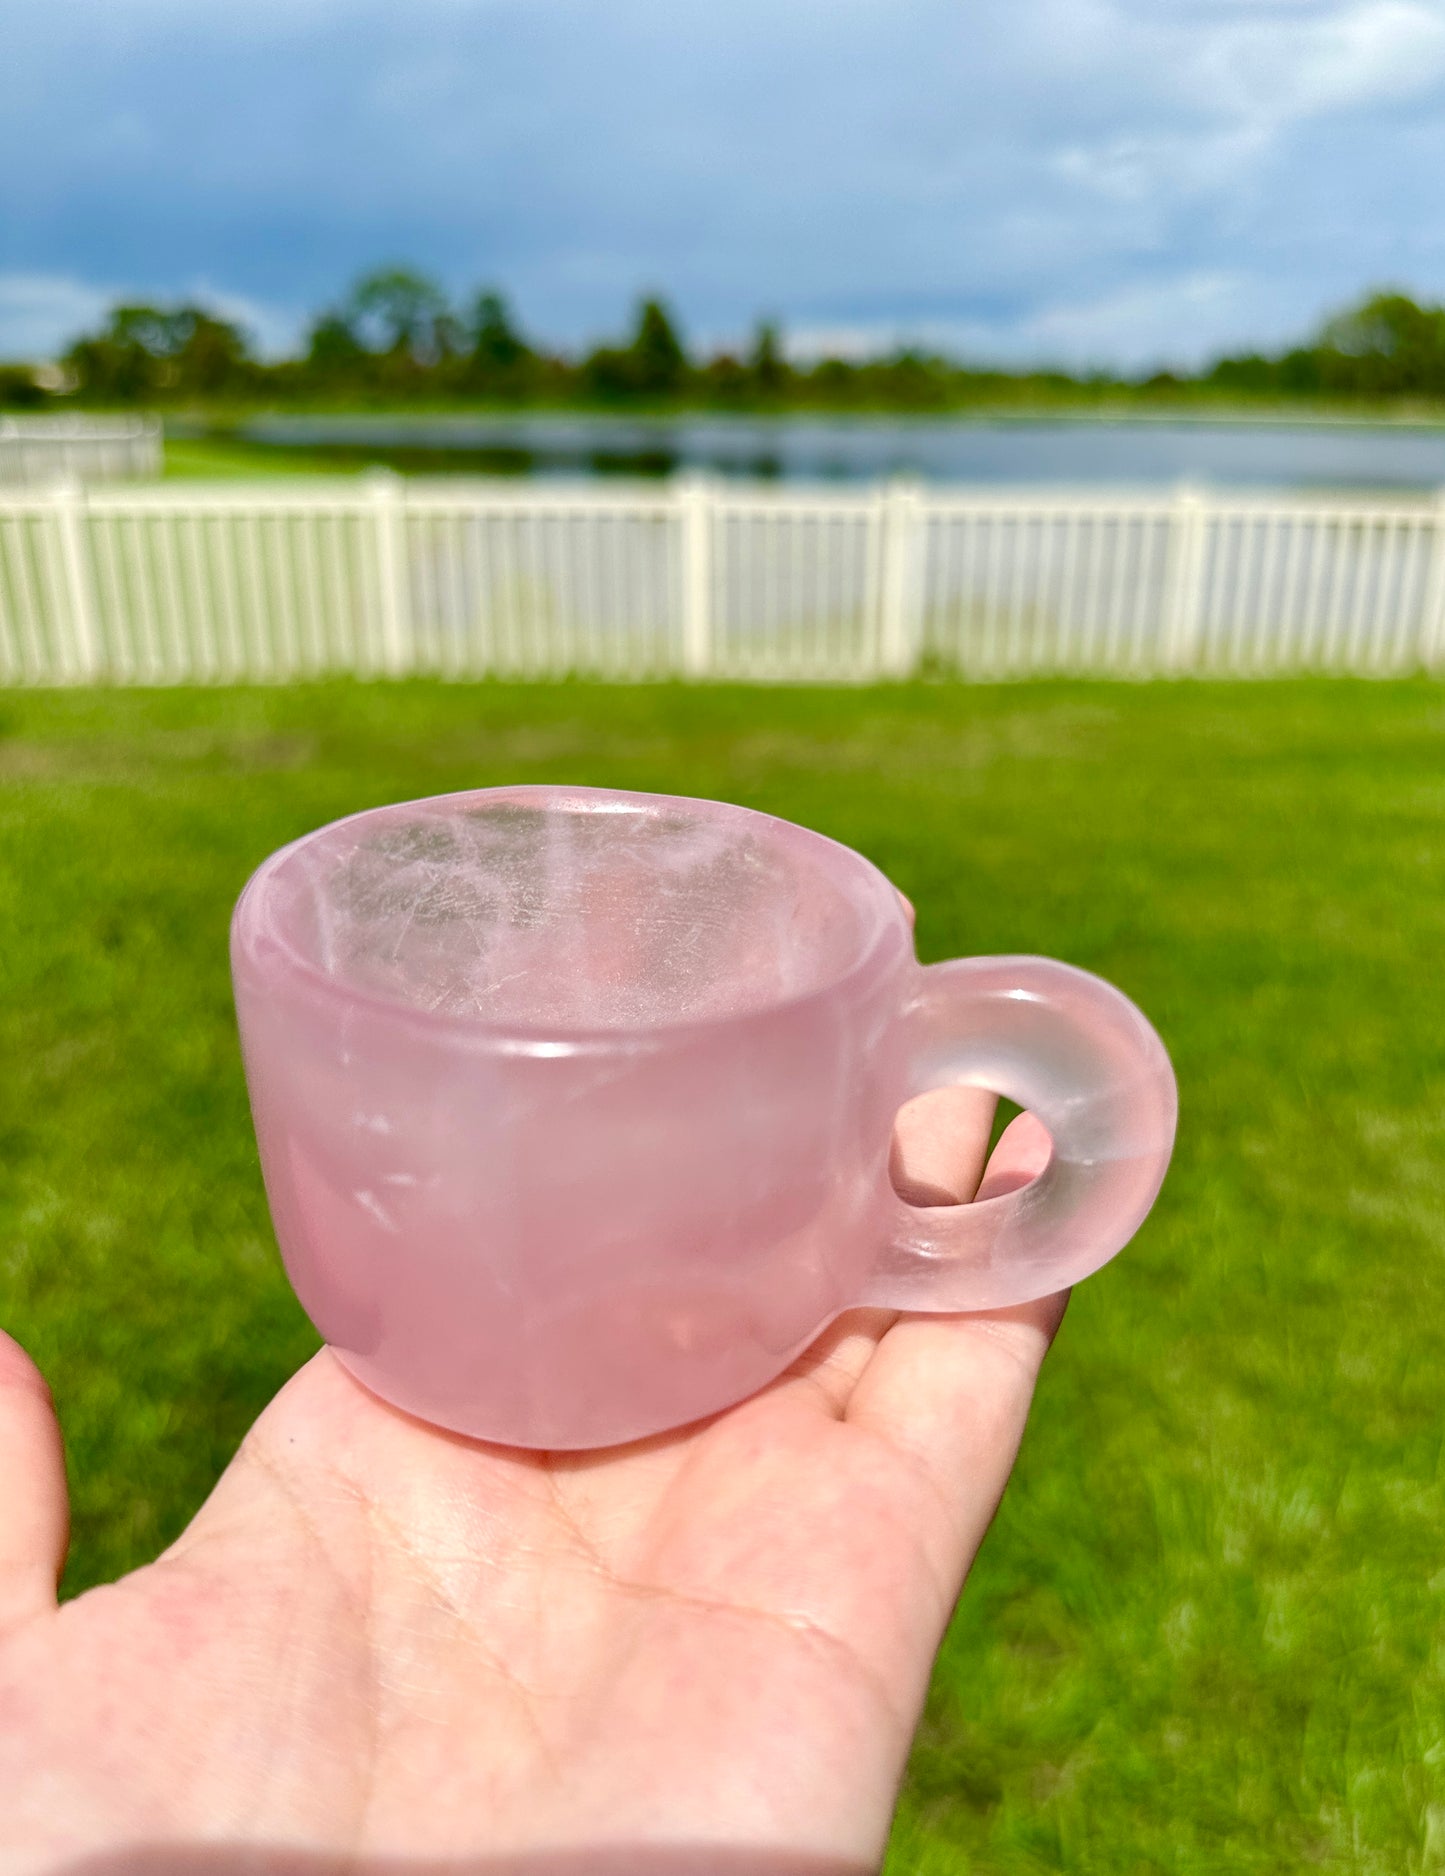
(806, 344)
(1177, 321)
(38, 312)
(1218, 96)
(1277, 71)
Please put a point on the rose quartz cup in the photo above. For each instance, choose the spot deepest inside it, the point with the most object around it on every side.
(574, 1107)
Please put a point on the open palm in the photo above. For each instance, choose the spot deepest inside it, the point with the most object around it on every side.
(383, 1647)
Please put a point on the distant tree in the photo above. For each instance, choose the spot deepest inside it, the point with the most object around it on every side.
(1251, 374)
(834, 381)
(725, 379)
(394, 333)
(333, 349)
(1298, 372)
(606, 372)
(910, 379)
(767, 364)
(657, 350)
(402, 316)
(1387, 345)
(653, 363)
(498, 360)
(19, 389)
(497, 345)
(150, 351)
(123, 361)
(212, 357)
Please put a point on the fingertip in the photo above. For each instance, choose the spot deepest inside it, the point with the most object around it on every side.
(940, 1141)
(1023, 1150)
(35, 1527)
(18, 1370)
(1025, 1330)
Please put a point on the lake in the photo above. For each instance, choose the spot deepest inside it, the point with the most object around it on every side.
(1271, 454)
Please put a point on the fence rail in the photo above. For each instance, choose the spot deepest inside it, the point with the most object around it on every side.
(34, 451)
(381, 577)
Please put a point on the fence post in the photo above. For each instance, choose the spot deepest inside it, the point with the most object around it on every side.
(695, 503)
(69, 498)
(900, 616)
(388, 502)
(1432, 603)
(1184, 581)
(150, 459)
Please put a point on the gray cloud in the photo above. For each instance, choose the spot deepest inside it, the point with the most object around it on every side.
(1092, 180)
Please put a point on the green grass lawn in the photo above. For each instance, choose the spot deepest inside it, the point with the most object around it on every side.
(221, 455)
(1208, 1631)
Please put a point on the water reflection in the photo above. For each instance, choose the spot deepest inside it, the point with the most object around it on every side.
(842, 449)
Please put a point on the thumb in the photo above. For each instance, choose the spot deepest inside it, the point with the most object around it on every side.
(34, 1506)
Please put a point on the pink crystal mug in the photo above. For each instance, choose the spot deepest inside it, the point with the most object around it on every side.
(574, 1107)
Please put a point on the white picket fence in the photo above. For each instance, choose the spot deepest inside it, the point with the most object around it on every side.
(696, 578)
(35, 451)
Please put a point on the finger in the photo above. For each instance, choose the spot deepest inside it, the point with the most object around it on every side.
(1021, 1154)
(34, 1505)
(940, 1142)
(953, 1392)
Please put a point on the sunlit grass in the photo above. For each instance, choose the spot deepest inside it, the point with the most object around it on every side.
(1206, 1633)
(219, 455)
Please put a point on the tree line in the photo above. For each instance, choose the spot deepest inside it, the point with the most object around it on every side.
(396, 337)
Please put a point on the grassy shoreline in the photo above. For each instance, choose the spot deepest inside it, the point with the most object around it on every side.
(1109, 407)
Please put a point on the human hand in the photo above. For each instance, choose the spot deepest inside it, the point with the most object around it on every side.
(383, 1648)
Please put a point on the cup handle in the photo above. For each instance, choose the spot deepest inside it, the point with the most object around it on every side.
(1078, 1055)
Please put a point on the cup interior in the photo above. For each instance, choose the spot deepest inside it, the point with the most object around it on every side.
(574, 908)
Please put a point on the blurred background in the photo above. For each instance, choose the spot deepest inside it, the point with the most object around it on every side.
(404, 399)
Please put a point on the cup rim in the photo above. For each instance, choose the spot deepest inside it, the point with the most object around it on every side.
(889, 923)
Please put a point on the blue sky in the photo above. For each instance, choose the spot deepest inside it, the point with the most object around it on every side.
(1110, 181)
